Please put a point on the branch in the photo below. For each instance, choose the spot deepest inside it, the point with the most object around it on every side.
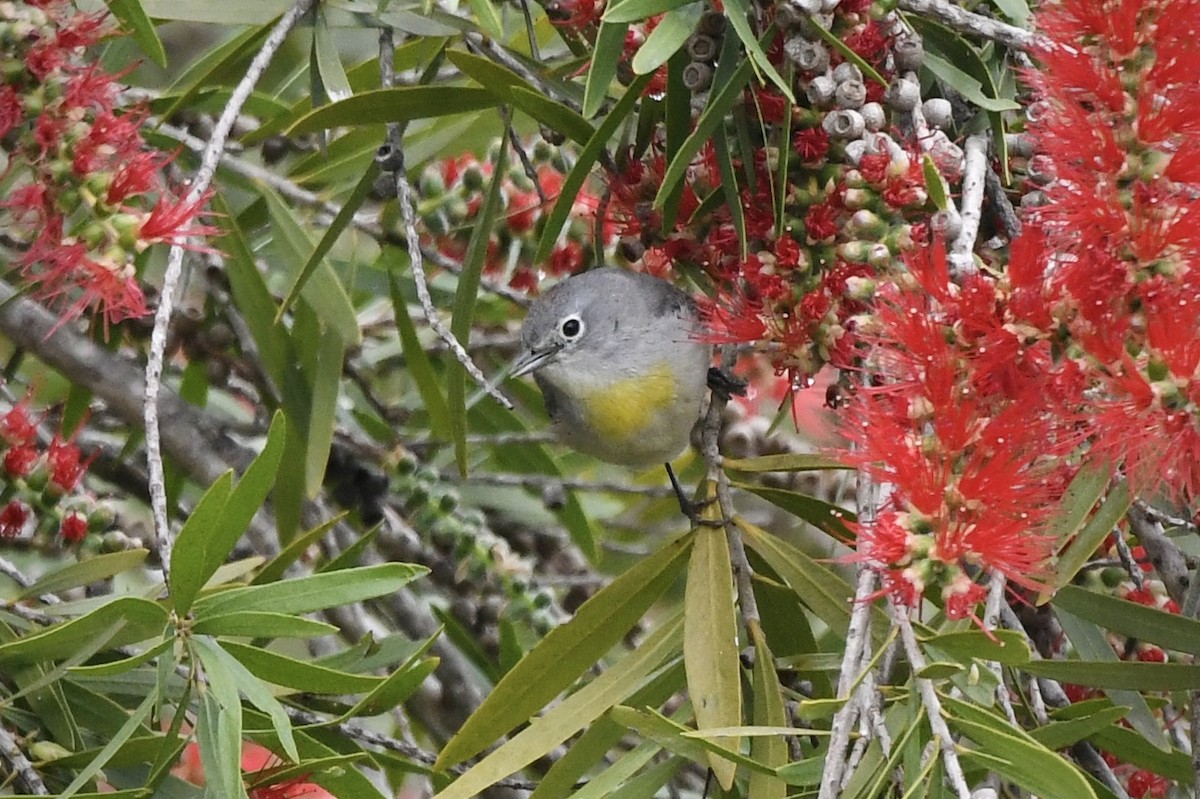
(1166, 557)
(961, 255)
(28, 781)
(162, 318)
(963, 21)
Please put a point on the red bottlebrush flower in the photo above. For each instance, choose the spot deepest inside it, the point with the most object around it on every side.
(874, 167)
(821, 223)
(574, 15)
(17, 427)
(12, 113)
(524, 279)
(74, 527)
(812, 145)
(19, 460)
(524, 208)
(172, 220)
(137, 175)
(66, 464)
(787, 252)
(566, 258)
(731, 319)
(13, 518)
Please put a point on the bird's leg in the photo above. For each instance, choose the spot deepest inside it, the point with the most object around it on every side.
(692, 508)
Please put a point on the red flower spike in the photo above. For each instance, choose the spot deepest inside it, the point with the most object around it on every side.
(19, 461)
(17, 427)
(66, 465)
(13, 518)
(74, 527)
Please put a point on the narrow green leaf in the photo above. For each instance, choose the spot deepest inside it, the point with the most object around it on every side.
(675, 737)
(1134, 748)
(219, 733)
(719, 104)
(572, 714)
(190, 555)
(583, 167)
(131, 725)
(729, 187)
(1026, 762)
(1091, 645)
(246, 499)
(397, 688)
(419, 367)
(710, 646)
(1061, 734)
(606, 54)
(142, 618)
(611, 781)
(340, 223)
(835, 42)
(291, 553)
(334, 85)
(1083, 546)
(394, 105)
(934, 184)
(667, 38)
(677, 113)
(824, 592)
(787, 462)
(214, 67)
(124, 664)
(1078, 500)
(638, 10)
(315, 592)
(94, 569)
(133, 18)
(1168, 630)
(488, 18)
(465, 297)
(738, 12)
(769, 711)
(567, 652)
(999, 646)
(1121, 675)
(327, 384)
(248, 684)
(323, 291)
(261, 624)
(817, 512)
(298, 675)
(967, 86)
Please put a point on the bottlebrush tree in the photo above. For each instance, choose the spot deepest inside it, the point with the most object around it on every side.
(274, 525)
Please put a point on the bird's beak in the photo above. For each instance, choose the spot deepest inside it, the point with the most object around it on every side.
(532, 360)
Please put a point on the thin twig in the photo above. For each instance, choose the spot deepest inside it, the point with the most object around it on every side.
(28, 781)
(933, 705)
(961, 255)
(162, 318)
(991, 621)
(1165, 556)
(391, 158)
(10, 570)
(963, 21)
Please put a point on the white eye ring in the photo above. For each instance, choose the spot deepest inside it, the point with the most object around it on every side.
(571, 327)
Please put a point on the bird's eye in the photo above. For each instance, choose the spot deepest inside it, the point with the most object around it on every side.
(571, 327)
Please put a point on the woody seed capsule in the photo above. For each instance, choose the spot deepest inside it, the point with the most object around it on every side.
(850, 94)
(903, 94)
(820, 90)
(909, 53)
(697, 76)
(937, 111)
(702, 47)
(843, 124)
(806, 55)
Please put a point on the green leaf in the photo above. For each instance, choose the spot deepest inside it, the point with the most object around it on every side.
(1128, 676)
(326, 385)
(397, 688)
(326, 72)
(710, 646)
(291, 553)
(323, 291)
(133, 18)
(1168, 630)
(964, 84)
(738, 12)
(131, 725)
(488, 18)
(719, 104)
(824, 592)
(638, 10)
(219, 733)
(817, 512)
(143, 619)
(340, 223)
(1135, 749)
(567, 652)
(1061, 734)
(315, 592)
(769, 711)
(729, 187)
(465, 297)
(94, 569)
(211, 654)
(934, 183)
(1078, 500)
(847, 52)
(1007, 647)
(418, 365)
(1083, 546)
(606, 54)
(1091, 644)
(395, 105)
(298, 675)
(583, 167)
(1017, 756)
(677, 738)
(124, 664)
(512, 88)
(261, 624)
(571, 715)
(786, 462)
(667, 38)
(190, 555)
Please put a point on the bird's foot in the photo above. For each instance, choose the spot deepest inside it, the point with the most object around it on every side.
(724, 384)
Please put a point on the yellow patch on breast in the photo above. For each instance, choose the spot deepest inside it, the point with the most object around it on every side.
(624, 409)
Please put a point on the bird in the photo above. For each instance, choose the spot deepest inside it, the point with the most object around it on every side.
(620, 360)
